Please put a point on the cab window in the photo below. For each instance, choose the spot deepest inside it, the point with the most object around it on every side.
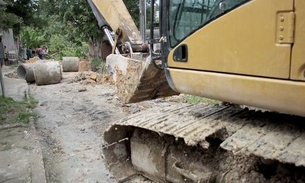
(186, 16)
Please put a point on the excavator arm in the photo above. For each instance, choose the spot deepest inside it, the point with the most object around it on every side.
(113, 14)
(136, 77)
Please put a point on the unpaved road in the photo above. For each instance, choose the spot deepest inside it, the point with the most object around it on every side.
(72, 118)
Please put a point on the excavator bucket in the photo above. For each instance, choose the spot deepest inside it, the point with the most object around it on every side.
(137, 80)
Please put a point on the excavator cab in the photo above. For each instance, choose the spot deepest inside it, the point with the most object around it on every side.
(188, 16)
(226, 50)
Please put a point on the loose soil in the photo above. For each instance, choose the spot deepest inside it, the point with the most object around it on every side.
(72, 118)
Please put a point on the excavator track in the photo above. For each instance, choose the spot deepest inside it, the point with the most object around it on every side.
(194, 143)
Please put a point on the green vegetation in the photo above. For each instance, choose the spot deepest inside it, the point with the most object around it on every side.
(196, 100)
(60, 46)
(95, 64)
(98, 65)
(33, 37)
(8, 20)
(67, 28)
(16, 112)
(27, 148)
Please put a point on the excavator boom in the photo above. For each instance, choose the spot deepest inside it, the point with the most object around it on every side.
(114, 14)
(134, 73)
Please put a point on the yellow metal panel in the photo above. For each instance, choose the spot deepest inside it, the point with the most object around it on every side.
(109, 12)
(277, 95)
(118, 18)
(243, 41)
(285, 27)
(298, 51)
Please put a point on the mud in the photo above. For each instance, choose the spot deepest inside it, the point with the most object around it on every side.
(72, 118)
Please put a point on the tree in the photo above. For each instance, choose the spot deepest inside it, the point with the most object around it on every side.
(26, 11)
(7, 20)
(33, 37)
(70, 20)
(78, 23)
(156, 8)
(134, 10)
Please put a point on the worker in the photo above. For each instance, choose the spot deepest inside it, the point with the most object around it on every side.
(39, 52)
(5, 56)
(44, 51)
(2, 55)
(28, 53)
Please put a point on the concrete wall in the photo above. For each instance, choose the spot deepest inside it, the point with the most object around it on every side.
(8, 39)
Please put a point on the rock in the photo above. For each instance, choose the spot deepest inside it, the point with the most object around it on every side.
(91, 81)
(93, 76)
(82, 90)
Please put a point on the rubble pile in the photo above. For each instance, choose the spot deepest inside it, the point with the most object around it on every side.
(33, 60)
(90, 77)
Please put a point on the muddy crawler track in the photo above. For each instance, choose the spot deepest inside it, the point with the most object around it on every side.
(268, 141)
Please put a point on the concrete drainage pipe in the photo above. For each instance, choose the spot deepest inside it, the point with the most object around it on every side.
(48, 72)
(70, 64)
(26, 71)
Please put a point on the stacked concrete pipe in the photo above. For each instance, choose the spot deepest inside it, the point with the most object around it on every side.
(26, 71)
(42, 72)
(70, 64)
(47, 73)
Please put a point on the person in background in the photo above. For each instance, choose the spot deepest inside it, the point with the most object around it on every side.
(39, 52)
(44, 51)
(33, 52)
(2, 54)
(28, 53)
(5, 56)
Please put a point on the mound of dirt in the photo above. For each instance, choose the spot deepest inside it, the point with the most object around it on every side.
(90, 77)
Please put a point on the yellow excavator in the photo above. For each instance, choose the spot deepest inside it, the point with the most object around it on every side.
(245, 52)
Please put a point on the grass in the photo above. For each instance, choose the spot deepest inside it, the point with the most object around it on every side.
(97, 64)
(16, 112)
(27, 148)
(196, 100)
